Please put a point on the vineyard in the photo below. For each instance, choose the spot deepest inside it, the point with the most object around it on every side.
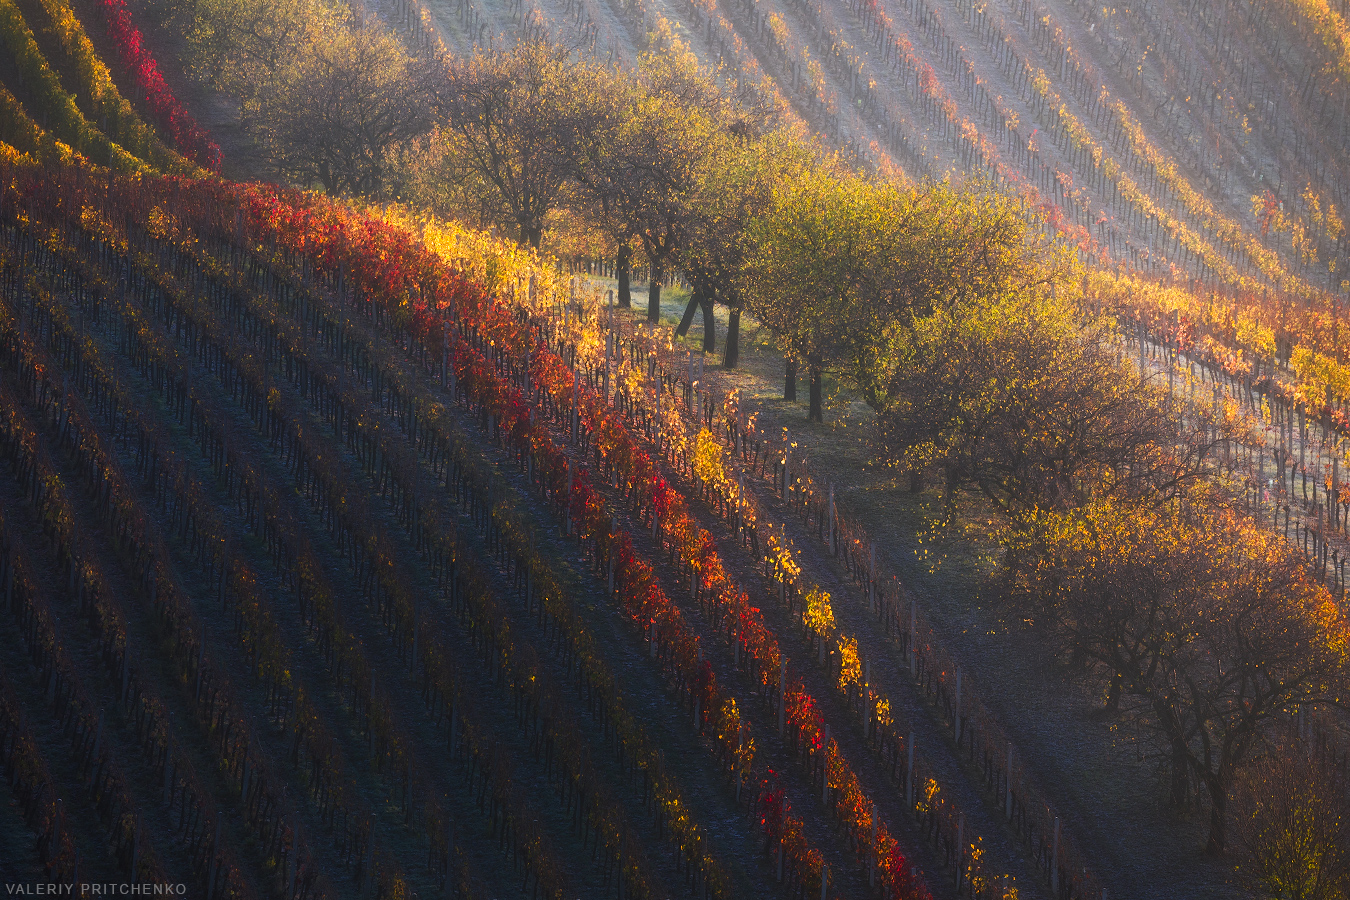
(1177, 142)
(348, 549)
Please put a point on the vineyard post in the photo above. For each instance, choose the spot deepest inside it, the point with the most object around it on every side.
(782, 695)
(1260, 470)
(824, 879)
(1008, 794)
(449, 850)
(830, 519)
(211, 875)
(909, 773)
(567, 500)
(93, 756)
(243, 781)
(1054, 859)
(740, 750)
(871, 575)
(956, 710)
(370, 710)
(239, 240)
(1335, 486)
(454, 728)
(874, 853)
(287, 860)
(1171, 367)
(576, 404)
(825, 768)
(960, 846)
(370, 881)
(698, 667)
(124, 695)
(740, 492)
(913, 638)
(224, 568)
(779, 573)
(652, 647)
(658, 413)
(613, 530)
(866, 691)
(1302, 439)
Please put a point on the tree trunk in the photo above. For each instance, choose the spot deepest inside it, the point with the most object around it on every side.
(817, 412)
(622, 263)
(952, 478)
(709, 325)
(1180, 761)
(688, 318)
(790, 382)
(915, 480)
(1113, 694)
(530, 233)
(654, 292)
(731, 353)
(1218, 815)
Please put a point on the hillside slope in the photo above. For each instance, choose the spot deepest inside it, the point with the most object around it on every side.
(1144, 130)
(337, 562)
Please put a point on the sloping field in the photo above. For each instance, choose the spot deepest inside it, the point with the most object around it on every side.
(1150, 130)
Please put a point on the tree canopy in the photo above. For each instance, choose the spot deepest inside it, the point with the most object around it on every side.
(1209, 623)
(1017, 399)
(519, 123)
(736, 190)
(340, 112)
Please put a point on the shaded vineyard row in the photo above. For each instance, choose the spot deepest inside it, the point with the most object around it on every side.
(188, 504)
(274, 417)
